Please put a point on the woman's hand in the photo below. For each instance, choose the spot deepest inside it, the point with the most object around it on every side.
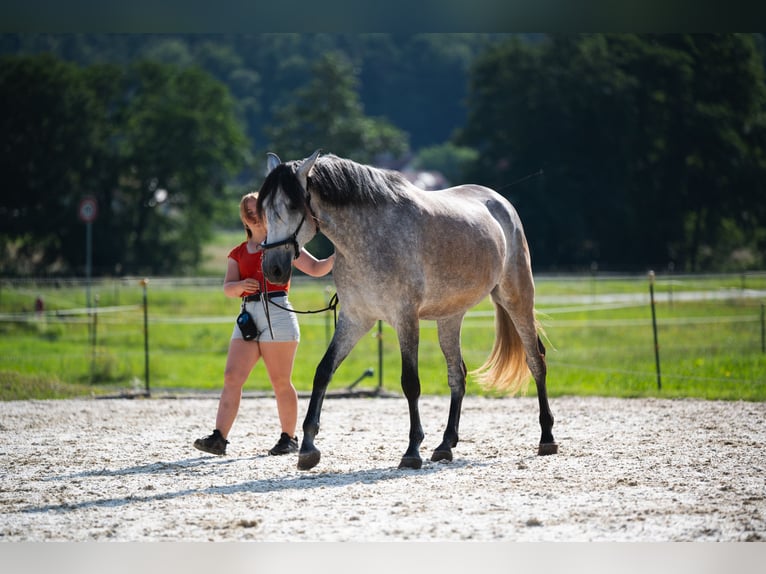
(250, 285)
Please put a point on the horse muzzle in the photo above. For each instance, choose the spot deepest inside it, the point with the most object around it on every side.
(278, 265)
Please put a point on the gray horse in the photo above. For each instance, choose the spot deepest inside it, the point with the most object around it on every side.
(404, 254)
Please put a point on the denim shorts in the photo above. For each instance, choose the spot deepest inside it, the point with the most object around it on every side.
(284, 323)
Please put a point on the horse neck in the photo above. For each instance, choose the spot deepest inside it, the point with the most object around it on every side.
(345, 226)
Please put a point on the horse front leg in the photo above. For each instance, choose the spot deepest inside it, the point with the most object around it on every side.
(309, 455)
(449, 341)
(347, 334)
(408, 342)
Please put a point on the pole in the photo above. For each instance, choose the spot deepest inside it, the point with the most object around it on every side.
(593, 271)
(654, 328)
(671, 268)
(95, 321)
(380, 355)
(94, 342)
(88, 272)
(144, 283)
(763, 328)
(88, 260)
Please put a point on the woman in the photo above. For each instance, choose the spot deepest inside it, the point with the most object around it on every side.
(277, 340)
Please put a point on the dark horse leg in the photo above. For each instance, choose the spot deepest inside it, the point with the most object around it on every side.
(535, 352)
(547, 444)
(523, 318)
(409, 338)
(449, 341)
(309, 455)
(342, 342)
(522, 313)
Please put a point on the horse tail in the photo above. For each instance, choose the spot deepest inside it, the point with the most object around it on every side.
(505, 370)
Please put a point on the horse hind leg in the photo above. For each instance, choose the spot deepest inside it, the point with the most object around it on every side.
(449, 341)
(547, 444)
(523, 318)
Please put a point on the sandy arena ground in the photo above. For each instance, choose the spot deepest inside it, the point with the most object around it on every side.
(628, 470)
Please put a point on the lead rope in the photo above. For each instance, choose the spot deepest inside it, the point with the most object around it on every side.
(265, 303)
(332, 305)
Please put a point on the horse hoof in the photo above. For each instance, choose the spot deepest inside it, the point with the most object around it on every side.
(413, 462)
(547, 448)
(441, 455)
(309, 459)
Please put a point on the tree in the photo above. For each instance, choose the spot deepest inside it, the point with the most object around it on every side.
(417, 81)
(51, 129)
(326, 113)
(650, 144)
(180, 145)
(448, 159)
(153, 143)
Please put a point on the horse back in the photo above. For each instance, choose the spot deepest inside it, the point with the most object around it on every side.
(468, 237)
(479, 212)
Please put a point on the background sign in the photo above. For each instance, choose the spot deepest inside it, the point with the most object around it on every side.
(87, 210)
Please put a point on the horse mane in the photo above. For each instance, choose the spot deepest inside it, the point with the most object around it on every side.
(341, 181)
(282, 176)
(338, 181)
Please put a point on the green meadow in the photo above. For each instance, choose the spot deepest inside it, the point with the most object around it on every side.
(598, 332)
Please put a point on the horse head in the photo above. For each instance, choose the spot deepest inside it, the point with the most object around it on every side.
(284, 203)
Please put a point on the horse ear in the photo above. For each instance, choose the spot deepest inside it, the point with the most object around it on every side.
(305, 168)
(272, 161)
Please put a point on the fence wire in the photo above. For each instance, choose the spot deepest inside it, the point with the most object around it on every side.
(107, 341)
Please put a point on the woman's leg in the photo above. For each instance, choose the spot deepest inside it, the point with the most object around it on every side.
(239, 363)
(279, 358)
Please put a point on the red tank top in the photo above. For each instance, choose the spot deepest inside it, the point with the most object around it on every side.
(250, 267)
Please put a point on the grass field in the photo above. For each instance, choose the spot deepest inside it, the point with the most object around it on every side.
(598, 334)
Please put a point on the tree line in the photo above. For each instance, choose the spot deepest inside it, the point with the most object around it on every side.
(153, 145)
(640, 149)
(653, 147)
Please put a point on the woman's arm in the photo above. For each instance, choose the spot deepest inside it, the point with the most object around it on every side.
(310, 265)
(233, 286)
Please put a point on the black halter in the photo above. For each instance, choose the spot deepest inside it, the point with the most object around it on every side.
(294, 237)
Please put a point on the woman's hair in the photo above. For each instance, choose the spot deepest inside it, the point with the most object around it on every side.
(242, 207)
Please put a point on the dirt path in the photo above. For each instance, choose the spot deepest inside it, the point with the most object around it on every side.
(628, 470)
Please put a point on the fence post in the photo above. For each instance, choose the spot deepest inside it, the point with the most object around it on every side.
(94, 340)
(671, 268)
(654, 328)
(763, 328)
(380, 355)
(144, 283)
